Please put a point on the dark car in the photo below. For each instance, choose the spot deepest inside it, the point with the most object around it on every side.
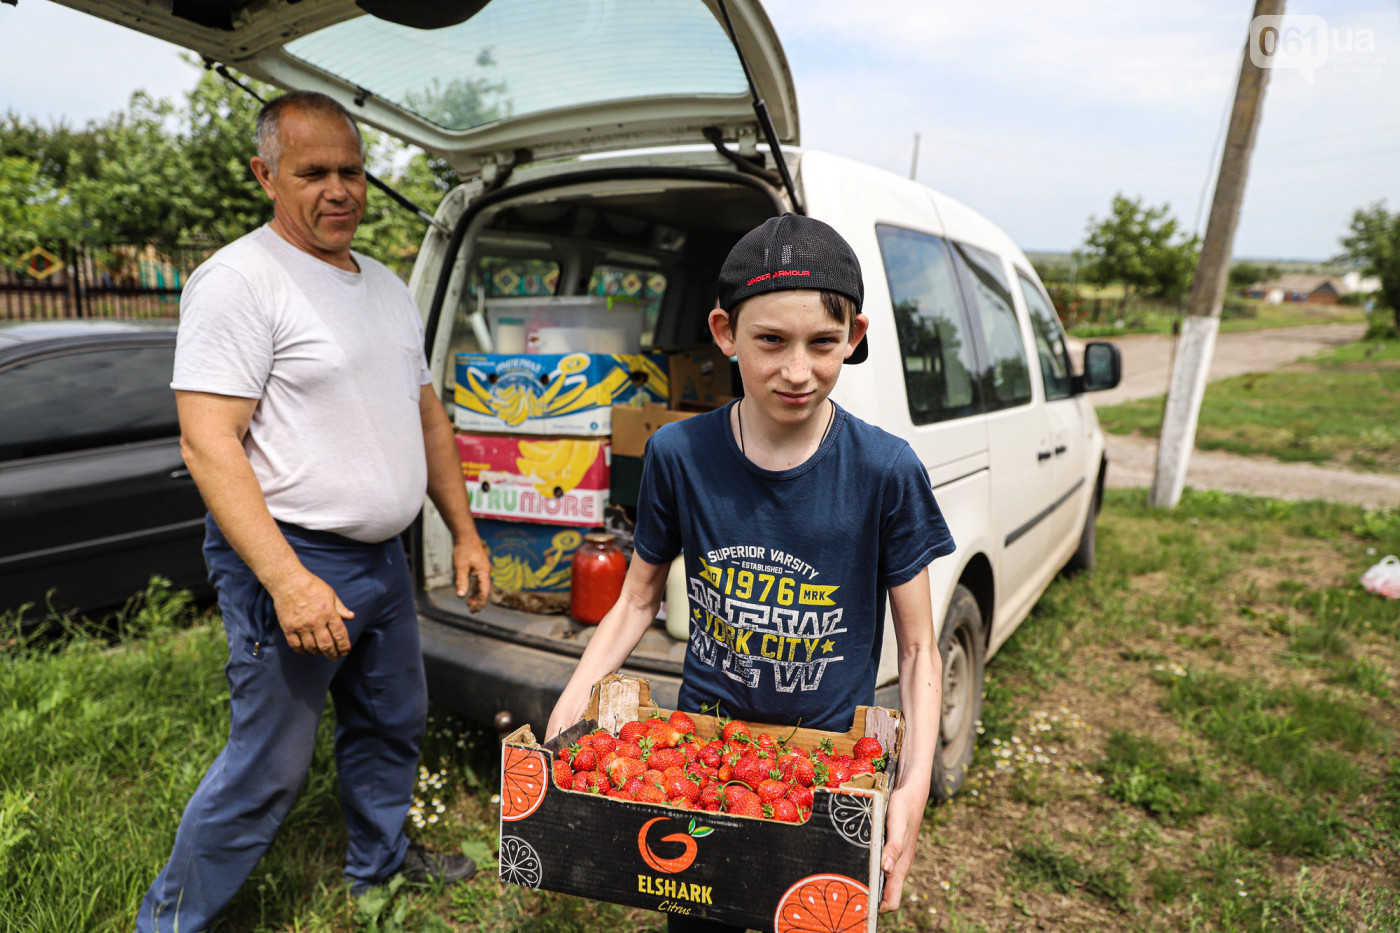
(94, 496)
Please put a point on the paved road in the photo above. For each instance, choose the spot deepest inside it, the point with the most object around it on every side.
(1146, 371)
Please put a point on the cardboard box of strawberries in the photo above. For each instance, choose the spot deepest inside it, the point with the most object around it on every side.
(766, 827)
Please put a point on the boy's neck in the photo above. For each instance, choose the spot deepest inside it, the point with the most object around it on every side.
(778, 447)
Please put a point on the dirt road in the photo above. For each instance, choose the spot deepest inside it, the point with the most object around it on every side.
(1146, 371)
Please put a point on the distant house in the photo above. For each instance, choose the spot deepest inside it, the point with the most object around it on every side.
(1311, 289)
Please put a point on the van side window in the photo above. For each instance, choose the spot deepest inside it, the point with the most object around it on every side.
(1049, 340)
(1007, 379)
(931, 324)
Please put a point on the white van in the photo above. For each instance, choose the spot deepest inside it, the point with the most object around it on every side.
(617, 138)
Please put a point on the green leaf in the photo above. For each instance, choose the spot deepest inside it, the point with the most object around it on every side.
(477, 851)
(702, 832)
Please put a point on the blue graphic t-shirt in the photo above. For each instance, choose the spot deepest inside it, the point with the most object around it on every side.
(787, 571)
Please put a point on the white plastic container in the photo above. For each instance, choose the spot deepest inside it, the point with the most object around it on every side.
(595, 324)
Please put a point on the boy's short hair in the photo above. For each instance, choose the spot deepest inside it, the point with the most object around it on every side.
(791, 252)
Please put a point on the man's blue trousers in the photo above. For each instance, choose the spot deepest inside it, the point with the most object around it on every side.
(276, 699)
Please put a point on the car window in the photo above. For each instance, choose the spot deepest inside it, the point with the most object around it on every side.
(86, 398)
(1049, 340)
(1007, 379)
(931, 325)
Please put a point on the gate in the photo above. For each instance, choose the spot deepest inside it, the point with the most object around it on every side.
(120, 282)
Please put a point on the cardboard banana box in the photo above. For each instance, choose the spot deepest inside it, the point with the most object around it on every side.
(822, 874)
(552, 394)
(553, 481)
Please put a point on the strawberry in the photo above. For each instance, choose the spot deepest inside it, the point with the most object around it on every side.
(710, 754)
(862, 766)
(653, 775)
(629, 750)
(632, 731)
(682, 723)
(663, 758)
(868, 748)
(682, 787)
(803, 772)
(662, 734)
(621, 770)
(838, 773)
(652, 793)
(745, 806)
(771, 789)
(801, 797)
(680, 803)
(786, 811)
(585, 742)
(751, 771)
(563, 775)
(566, 752)
(620, 794)
(734, 727)
(585, 759)
(603, 742)
(767, 741)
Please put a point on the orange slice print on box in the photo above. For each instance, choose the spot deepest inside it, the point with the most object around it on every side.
(524, 779)
(823, 904)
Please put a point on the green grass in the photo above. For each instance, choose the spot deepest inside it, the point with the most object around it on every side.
(1339, 411)
(1242, 314)
(1198, 736)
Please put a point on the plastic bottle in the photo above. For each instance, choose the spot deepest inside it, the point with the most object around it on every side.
(677, 601)
(596, 574)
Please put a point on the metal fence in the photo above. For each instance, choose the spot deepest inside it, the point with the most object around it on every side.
(112, 282)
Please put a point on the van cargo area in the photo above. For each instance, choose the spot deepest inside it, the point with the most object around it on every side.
(674, 229)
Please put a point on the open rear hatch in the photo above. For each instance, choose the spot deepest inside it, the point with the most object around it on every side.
(500, 82)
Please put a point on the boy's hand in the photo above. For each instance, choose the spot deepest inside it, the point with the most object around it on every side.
(902, 819)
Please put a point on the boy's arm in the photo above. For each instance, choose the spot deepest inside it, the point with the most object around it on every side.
(921, 696)
(624, 625)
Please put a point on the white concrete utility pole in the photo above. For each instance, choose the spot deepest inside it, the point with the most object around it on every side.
(1188, 383)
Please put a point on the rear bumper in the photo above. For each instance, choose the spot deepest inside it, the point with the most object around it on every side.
(478, 677)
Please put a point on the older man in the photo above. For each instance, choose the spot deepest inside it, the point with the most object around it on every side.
(309, 424)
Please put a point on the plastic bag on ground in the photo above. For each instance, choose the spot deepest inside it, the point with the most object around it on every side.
(1384, 577)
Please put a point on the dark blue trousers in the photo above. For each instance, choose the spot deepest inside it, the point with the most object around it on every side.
(276, 699)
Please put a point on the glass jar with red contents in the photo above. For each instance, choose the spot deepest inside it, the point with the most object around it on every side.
(597, 572)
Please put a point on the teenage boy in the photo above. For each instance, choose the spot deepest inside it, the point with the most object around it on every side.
(796, 520)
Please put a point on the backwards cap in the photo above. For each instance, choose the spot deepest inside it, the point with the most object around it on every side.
(792, 251)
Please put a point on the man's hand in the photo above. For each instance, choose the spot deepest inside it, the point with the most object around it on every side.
(472, 564)
(312, 617)
(902, 818)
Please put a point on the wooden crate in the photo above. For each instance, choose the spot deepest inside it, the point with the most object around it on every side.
(760, 874)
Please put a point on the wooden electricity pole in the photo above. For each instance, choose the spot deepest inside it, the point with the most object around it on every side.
(1202, 323)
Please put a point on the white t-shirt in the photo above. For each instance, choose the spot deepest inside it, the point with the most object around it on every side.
(335, 359)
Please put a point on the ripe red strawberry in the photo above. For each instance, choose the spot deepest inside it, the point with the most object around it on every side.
(710, 754)
(683, 787)
(663, 758)
(771, 789)
(652, 793)
(751, 771)
(662, 734)
(804, 772)
(632, 731)
(745, 806)
(603, 742)
(862, 766)
(622, 794)
(563, 775)
(734, 727)
(586, 741)
(682, 723)
(868, 748)
(801, 796)
(712, 796)
(566, 752)
(767, 741)
(621, 770)
(786, 811)
(653, 775)
(629, 750)
(680, 803)
(837, 773)
(585, 759)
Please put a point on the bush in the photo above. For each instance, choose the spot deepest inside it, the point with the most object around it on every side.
(1238, 309)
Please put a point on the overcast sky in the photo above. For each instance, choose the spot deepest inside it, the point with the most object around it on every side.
(1033, 113)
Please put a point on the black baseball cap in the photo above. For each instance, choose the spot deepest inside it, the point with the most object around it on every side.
(792, 251)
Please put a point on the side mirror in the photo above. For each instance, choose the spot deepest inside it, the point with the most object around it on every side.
(1103, 367)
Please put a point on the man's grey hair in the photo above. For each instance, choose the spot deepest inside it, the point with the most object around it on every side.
(270, 121)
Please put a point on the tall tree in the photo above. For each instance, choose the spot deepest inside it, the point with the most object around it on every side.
(1140, 248)
(1373, 239)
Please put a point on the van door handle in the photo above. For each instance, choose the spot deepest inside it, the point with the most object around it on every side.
(1043, 455)
(1059, 449)
(179, 474)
